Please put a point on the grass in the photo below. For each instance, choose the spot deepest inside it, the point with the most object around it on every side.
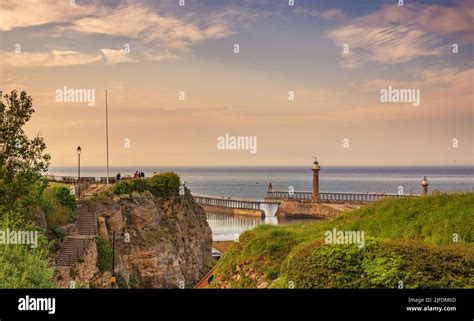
(23, 267)
(59, 205)
(52, 184)
(410, 238)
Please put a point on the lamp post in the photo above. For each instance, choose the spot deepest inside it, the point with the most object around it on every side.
(79, 150)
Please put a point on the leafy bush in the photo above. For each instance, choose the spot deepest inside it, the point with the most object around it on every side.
(121, 282)
(104, 255)
(59, 206)
(131, 185)
(164, 185)
(382, 264)
(56, 235)
(65, 198)
(23, 267)
(161, 185)
(22, 162)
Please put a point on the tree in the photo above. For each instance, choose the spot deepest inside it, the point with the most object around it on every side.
(22, 161)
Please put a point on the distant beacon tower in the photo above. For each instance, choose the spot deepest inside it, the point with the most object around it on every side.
(424, 186)
(315, 169)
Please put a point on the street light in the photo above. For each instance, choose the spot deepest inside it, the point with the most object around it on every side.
(79, 150)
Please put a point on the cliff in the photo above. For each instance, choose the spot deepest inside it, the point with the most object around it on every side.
(159, 243)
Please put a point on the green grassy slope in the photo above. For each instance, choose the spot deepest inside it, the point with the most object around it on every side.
(420, 242)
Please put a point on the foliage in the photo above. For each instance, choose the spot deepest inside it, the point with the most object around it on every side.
(22, 162)
(23, 267)
(65, 198)
(381, 264)
(121, 282)
(59, 206)
(131, 185)
(410, 240)
(165, 184)
(104, 255)
(133, 281)
(161, 185)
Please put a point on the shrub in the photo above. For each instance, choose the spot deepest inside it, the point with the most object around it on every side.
(162, 185)
(272, 273)
(23, 267)
(121, 282)
(104, 255)
(131, 185)
(381, 264)
(59, 206)
(65, 198)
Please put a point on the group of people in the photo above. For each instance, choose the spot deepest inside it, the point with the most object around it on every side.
(136, 175)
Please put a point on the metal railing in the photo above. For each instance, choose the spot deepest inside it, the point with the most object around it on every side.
(335, 197)
(227, 202)
(86, 179)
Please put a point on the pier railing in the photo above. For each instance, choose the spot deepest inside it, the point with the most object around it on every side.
(227, 202)
(335, 197)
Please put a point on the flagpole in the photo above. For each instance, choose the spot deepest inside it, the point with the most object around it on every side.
(107, 136)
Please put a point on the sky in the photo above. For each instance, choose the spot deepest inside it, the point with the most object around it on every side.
(307, 80)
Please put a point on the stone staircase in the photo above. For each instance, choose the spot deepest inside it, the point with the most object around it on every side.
(74, 245)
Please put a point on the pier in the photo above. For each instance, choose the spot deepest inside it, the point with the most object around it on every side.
(237, 206)
(276, 202)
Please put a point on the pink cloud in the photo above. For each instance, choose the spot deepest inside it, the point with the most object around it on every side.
(443, 20)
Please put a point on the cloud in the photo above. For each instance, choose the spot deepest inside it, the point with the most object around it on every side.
(155, 36)
(51, 58)
(27, 13)
(113, 56)
(330, 14)
(138, 22)
(395, 34)
(443, 20)
(393, 44)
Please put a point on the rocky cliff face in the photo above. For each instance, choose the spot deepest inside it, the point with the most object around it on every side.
(159, 243)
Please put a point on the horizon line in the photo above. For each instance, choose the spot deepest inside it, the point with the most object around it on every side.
(269, 166)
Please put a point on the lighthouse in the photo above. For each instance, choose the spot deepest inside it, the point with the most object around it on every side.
(315, 169)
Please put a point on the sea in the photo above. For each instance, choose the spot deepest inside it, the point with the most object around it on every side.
(252, 183)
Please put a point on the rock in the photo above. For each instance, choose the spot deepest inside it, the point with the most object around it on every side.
(102, 228)
(70, 229)
(170, 240)
(116, 222)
